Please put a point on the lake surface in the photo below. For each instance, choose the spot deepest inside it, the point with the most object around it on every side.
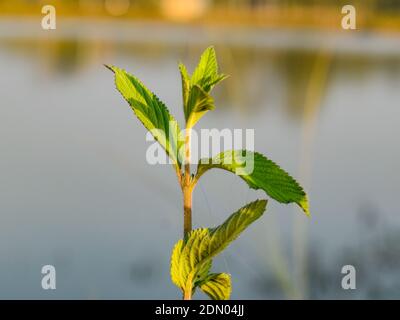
(76, 190)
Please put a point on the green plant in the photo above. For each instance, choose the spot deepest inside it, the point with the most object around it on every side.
(192, 256)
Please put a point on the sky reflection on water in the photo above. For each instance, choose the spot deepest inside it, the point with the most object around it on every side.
(77, 191)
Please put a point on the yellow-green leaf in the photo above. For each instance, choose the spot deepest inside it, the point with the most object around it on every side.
(192, 258)
(196, 88)
(151, 112)
(260, 173)
(187, 257)
(217, 286)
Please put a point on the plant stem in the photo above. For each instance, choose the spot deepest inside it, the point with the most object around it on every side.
(187, 295)
(187, 217)
(187, 189)
(187, 292)
(187, 209)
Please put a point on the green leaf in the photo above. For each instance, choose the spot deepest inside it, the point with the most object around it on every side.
(217, 286)
(200, 102)
(259, 173)
(206, 73)
(187, 257)
(192, 258)
(151, 112)
(224, 234)
(196, 89)
(185, 88)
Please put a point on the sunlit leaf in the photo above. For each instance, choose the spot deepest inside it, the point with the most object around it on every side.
(187, 257)
(260, 173)
(191, 258)
(196, 89)
(151, 112)
(217, 286)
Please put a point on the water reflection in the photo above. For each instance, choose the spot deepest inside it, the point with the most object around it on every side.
(287, 69)
(77, 142)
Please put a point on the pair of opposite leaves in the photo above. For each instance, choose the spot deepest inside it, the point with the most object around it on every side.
(192, 257)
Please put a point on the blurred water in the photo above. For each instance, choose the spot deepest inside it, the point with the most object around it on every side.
(76, 190)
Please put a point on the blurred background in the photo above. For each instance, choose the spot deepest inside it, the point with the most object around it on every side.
(76, 190)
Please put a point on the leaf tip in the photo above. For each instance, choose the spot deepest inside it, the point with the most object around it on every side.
(210, 48)
(259, 206)
(110, 67)
(303, 203)
(263, 203)
(224, 76)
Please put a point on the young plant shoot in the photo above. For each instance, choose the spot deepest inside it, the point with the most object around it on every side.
(192, 255)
